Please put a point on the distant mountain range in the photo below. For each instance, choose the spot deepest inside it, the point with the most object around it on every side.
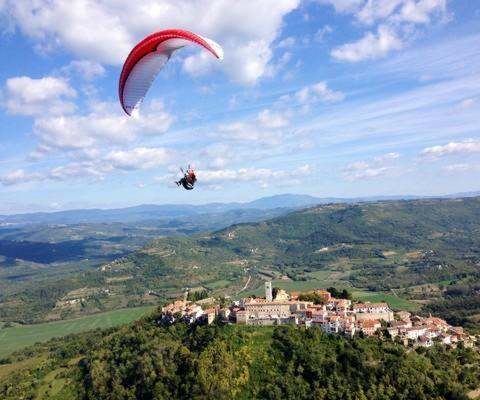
(169, 211)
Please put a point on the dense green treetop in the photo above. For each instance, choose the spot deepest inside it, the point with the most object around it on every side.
(146, 360)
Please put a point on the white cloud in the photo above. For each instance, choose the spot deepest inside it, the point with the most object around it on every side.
(371, 46)
(287, 43)
(370, 11)
(55, 205)
(322, 33)
(374, 10)
(364, 170)
(248, 63)
(317, 92)
(75, 171)
(461, 167)
(248, 132)
(387, 157)
(260, 176)
(89, 70)
(17, 177)
(398, 21)
(28, 96)
(103, 124)
(382, 124)
(324, 93)
(421, 11)
(280, 63)
(105, 31)
(272, 120)
(115, 161)
(468, 146)
(138, 158)
(265, 129)
(219, 155)
(380, 166)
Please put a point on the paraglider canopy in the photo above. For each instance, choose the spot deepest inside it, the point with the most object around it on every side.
(147, 58)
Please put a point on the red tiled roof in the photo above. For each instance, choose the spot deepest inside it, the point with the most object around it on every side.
(369, 323)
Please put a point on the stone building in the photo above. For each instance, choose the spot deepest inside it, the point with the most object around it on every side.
(268, 291)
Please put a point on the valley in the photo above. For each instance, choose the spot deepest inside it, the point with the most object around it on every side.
(86, 331)
(420, 254)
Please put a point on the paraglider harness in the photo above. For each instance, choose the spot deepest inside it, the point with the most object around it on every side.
(188, 180)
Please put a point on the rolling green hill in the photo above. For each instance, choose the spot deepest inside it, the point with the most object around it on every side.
(413, 254)
(384, 246)
(17, 337)
(145, 360)
(378, 246)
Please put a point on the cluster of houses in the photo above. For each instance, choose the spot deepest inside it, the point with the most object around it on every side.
(332, 316)
(424, 330)
(189, 312)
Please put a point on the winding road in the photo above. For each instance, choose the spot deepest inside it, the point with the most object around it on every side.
(246, 285)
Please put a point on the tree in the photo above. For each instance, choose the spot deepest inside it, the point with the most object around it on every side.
(220, 374)
(312, 297)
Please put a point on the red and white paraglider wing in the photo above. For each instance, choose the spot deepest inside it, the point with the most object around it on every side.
(147, 58)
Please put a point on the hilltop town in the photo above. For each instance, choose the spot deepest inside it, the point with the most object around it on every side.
(319, 309)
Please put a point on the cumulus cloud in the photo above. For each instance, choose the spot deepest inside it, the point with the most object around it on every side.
(88, 70)
(75, 171)
(218, 155)
(265, 129)
(115, 161)
(248, 132)
(103, 124)
(17, 177)
(421, 11)
(379, 166)
(318, 92)
(370, 11)
(374, 10)
(360, 170)
(398, 21)
(48, 95)
(468, 146)
(372, 45)
(311, 94)
(138, 158)
(287, 43)
(272, 120)
(387, 157)
(105, 31)
(261, 176)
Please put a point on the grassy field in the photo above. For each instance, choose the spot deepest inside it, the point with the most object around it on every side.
(396, 303)
(218, 284)
(18, 337)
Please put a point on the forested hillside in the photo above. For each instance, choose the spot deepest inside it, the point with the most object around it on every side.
(148, 361)
(385, 246)
(427, 251)
(399, 245)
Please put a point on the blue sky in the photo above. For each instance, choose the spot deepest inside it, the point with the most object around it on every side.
(323, 97)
